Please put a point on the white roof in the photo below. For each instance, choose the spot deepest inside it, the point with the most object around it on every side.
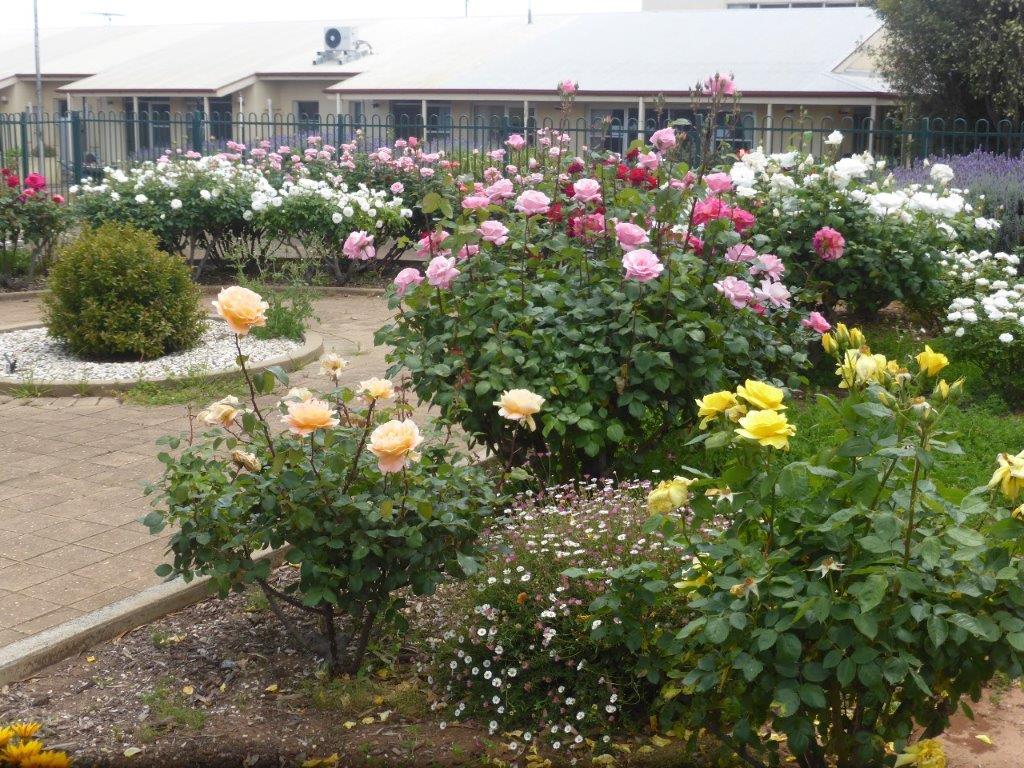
(770, 51)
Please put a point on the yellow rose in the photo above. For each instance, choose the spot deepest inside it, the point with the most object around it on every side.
(762, 396)
(714, 404)
(519, 405)
(857, 338)
(394, 443)
(828, 343)
(1010, 475)
(931, 362)
(246, 460)
(767, 428)
(669, 495)
(859, 367)
(332, 365)
(941, 391)
(222, 413)
(241, 308)
(377, 389)
(924, 754)
(306, 416)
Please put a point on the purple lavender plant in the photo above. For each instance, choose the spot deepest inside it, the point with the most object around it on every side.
(999, 177)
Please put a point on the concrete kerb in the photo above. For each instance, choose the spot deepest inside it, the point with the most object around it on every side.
(24, 658)
(325, 290)
(312, 347)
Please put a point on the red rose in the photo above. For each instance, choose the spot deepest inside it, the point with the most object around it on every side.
(5, 172)
(13, 181)
(637, 176)
(633, 154)
(555, 213)
(622, 172)
(575, 167)
(569, 190)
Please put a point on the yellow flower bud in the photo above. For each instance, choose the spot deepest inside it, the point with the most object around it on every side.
(931, 362)
(669, 495)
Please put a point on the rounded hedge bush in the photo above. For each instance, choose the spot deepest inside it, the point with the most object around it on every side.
(115, 294)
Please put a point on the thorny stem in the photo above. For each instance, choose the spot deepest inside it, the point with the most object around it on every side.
(252, 394)
(359, 451)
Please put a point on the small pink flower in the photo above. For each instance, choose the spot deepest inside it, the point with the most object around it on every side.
(397, 188)
(642, 265)
(475, 202)
(493, 231)
(469, 249)
(720, 85)
(740, 252)
(664, 139)
(648, 161)
(533, 203)
(407, 277)
(829, 244)
(816, 322)
(768, 264)
(359, 246)
(587, 191)
(736, 291)
(441, 271)
(630, 236)
(718, 182)
(515, 141)
(500, 190)
(568, 87)
(775, 293)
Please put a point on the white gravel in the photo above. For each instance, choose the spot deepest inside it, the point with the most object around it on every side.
(40, 358)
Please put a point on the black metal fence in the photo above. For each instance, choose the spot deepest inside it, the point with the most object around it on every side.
(77, 144)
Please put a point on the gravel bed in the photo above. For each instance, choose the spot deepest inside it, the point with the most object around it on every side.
(40, 358)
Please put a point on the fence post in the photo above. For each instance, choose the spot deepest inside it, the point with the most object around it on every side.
(24, 144)
(76, 146)
(198, 139)
(926, 137)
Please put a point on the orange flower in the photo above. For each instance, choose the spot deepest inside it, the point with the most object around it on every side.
(306, 416)
(241, 308)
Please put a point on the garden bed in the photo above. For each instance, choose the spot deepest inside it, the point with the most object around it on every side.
(43, 362)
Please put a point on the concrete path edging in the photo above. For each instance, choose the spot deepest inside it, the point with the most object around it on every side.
(24, 658)
(312, 347)
(323, 290)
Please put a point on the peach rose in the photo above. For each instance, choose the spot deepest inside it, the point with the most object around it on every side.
(241, 308)
(377, 389)
(306, 416)
(394, 443)
(332, 364)
(222, 413)
(246, 460)
(519, 405)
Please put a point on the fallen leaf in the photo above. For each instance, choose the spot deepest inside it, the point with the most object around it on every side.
(660, 741)
(984, 739)
(91, 659)
(321, 762)
(271, 688)
(188, 690)
(349, 724)
(378, 700)
(384, 715)
(603, 760)
(132, 751)
(223, 687)
(368, 720)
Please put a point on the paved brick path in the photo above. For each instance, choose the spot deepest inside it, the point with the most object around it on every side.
(72, 472)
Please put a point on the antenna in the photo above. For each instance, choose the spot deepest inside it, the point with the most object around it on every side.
(529, 11)
(108, 15)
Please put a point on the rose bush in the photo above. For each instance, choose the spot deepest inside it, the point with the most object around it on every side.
(366, 504)
(31, 223)
(839, 609)
(614, 288)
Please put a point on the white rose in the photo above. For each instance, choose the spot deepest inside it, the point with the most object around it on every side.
(1006, 338)
(834, 139)
(337, 218)
(140, 198)
(175, 204)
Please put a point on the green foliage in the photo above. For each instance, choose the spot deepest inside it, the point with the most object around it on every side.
(358, 534)
(196, 389)
(955, 58)
(113, 294)
(848, 600)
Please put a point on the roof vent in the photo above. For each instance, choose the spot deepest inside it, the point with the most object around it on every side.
(341, 45)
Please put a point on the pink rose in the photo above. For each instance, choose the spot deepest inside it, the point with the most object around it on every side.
(497, 155)
(587, 191)
(630, 236)
(493, 232)
(430, 244)
(718, 182)
(499, 191)
(35, 181)
(816, 322)
(475, 202)
(768, 264)
(720, 85)
(515, 141)
(648, 161)
(397, 188)
(664, 139)
(828, 244)
(441, 271)
(742, 220)
(533, 203)
(736, 291)
(568, 87)
(359, 246)
(406, 278)
(426, 173)
(740, 252)
(709, 209)
(642, 265)
(469, 249)
(776, 293)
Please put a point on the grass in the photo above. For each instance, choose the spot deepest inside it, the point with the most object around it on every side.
(189, 390)
(169, 709)
(355, 697)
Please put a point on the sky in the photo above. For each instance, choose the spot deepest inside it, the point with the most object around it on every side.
(75, 13)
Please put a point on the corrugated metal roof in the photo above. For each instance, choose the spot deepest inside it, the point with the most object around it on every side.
(768, 51)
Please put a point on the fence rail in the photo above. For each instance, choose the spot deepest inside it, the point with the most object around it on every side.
(78, 144)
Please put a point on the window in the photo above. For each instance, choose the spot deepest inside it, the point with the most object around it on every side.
(150, 129)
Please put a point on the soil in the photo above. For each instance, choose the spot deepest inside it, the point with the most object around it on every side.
(219, 684)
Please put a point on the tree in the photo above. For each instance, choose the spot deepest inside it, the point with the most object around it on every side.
(955, 57)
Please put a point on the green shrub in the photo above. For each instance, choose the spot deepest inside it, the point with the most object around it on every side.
(114, 294)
